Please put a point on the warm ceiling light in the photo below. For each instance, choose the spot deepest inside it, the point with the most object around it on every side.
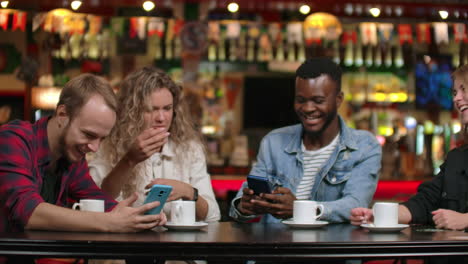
(304, 9)
(233, 7)
(61, 12)
(375, 11)
(4, 4)
(75, 4)
(148, 6)
(443, 14)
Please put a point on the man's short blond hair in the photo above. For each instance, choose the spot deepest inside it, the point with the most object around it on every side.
(78, 90)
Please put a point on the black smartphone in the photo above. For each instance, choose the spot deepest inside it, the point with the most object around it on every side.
(158, 193)
(258, 184)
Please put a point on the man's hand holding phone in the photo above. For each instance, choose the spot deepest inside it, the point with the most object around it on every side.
(279, 203)
(246, 205)
(258, 186)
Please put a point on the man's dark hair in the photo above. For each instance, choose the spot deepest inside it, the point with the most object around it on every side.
(314, 67)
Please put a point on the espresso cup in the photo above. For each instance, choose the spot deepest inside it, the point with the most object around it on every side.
(183, 212)
(91, 205)
(385, 214)
(305, 212)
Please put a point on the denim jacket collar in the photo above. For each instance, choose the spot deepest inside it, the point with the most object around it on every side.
(346, 139)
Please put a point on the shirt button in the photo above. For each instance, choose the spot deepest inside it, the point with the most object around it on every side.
(334, 179)
(158, 163)
(444, 194)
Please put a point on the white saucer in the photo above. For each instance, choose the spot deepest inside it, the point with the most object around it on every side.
(316, 224)
(372, 227)
(195, 226)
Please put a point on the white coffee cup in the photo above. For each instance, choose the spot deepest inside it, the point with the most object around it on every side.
(92, 205)
(305, 212)
(385, 214)
(183, 212)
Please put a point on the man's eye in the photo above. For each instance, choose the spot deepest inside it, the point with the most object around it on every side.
(300, 100)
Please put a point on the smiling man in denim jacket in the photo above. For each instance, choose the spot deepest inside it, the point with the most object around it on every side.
(320, 159)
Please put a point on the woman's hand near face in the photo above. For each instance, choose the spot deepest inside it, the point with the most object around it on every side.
(146, 144)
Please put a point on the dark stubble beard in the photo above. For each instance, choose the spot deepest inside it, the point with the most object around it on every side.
(61, 144)
(328, 120)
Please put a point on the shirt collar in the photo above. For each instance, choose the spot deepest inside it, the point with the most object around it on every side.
(168, 149)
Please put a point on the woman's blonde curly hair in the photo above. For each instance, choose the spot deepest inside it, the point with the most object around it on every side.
(134, 98)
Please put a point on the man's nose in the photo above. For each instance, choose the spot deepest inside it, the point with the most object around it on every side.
(309, 106)
(94, 145)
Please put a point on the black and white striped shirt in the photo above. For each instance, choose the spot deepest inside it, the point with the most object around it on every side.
(313, 162)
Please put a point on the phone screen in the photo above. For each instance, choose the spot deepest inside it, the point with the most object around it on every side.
(258, 184)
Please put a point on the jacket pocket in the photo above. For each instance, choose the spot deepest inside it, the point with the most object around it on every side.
(338, 175)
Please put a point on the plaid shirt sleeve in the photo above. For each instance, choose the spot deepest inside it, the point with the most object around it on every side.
(19, 187)
(82, 186)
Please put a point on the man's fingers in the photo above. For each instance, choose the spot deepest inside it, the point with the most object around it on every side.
(146, 207)
(247, 191)
(145, 226)
(263, 203)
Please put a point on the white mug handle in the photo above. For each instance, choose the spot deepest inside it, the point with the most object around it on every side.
(178, 211)
(75, 205)
(321, 210)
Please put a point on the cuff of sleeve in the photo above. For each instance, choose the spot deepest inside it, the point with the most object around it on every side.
(417, 213)
(327, 211)
(238, 216)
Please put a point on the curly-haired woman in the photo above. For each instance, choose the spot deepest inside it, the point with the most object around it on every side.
(154, 142)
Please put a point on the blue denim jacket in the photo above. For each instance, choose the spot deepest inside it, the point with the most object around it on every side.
(347, 180)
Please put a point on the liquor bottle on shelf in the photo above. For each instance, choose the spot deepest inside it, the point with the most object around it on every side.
(222, 47)
(177, 47)
(348, 57)
(241, 49)
(279, 51)
(301, 53)
(399, 61)
(264, 48)
(388, 56)
(369, 59)
(378, 56)
(250, 49)
(358, 60)
(291, 52)
(456, 58)
(212, 51)
(232, 49)
(336, 52)
(169, 52)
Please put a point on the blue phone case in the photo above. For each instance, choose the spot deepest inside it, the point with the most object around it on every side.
(158, 193)
(258, 184)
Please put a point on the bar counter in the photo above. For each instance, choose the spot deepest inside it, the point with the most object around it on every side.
(234, 241)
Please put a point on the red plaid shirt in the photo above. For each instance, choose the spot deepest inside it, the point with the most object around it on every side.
(24, 157)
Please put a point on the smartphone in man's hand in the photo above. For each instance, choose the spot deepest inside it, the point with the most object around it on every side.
(258, 184)
(160, 193)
